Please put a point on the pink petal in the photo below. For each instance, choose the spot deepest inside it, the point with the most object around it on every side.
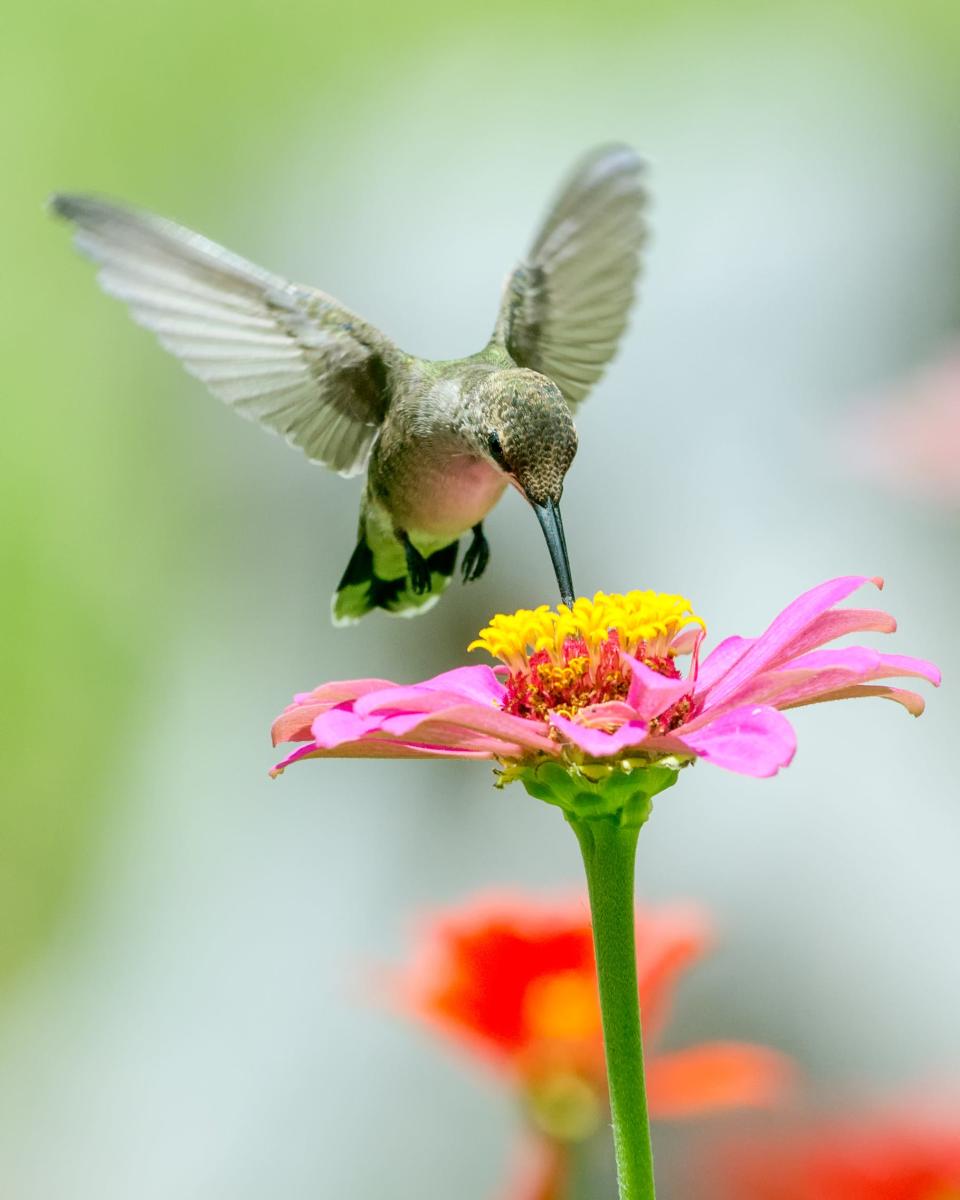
(784, 630)
(885, 666)
(911, 701)
(720, 660)
(476, 685)
(401, 724)
(294, 756)
(441, 734)
(338, 725)
(435, 729)
(412, 698)
(341, 690)
(858, 659)
(751, 741)
(835, 624)
(826, 669)
(650, 692)
(293, 724)
(473, 719)
(610, 713)
(687, 640)
(406, 701)
(775, 689)
(471, 683)
(820, 674)
(376, 748)
(831, 674)
(528, 733)
(596, 743)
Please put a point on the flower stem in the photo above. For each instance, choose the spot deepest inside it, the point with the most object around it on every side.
(609, 853)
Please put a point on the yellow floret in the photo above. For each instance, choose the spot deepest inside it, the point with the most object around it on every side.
(652, 618)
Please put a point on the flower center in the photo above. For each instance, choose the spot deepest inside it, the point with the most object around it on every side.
(563, 1007)
(565, 660)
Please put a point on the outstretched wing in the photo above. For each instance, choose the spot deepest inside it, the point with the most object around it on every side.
(565, 306)
(284, 355)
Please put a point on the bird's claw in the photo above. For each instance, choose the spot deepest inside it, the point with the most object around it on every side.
(420, 579)
(477, 556)
(418, 568)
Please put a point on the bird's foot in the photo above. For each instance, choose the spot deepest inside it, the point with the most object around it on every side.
(418, 568)
(477, 556)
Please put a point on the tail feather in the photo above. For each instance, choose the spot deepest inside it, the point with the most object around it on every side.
(376, 577)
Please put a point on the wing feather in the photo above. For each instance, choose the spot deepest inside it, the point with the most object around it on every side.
(565, 306)
(287, 356)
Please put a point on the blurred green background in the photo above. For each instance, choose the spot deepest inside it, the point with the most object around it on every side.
(181, 941)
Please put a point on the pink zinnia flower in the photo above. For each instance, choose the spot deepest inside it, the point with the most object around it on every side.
(601, 682)
(589, 709)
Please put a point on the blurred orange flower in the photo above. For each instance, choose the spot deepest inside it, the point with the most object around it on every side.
(511, 978)
(881, 1157)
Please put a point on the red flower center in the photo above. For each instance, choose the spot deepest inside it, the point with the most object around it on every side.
(581, 677)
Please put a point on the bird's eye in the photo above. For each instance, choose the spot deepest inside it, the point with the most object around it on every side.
(496, 451)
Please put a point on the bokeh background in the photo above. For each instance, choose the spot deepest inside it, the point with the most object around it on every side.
(187, 1006)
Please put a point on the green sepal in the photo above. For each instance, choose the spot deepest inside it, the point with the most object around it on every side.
(623, 790)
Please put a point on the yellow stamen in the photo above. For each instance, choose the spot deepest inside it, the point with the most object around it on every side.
(648, 617)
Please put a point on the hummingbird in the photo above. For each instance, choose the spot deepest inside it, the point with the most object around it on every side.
(439, 440)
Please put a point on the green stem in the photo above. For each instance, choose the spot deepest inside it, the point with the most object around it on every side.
(609, 852)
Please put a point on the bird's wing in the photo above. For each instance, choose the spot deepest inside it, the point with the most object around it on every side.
(284, 355)
(565, 306)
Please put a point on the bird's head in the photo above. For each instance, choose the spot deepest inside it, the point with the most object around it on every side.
(529, 435)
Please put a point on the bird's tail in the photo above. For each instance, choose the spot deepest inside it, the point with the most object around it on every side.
(376, 577)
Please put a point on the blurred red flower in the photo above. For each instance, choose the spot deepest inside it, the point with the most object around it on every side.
(511, 978)
(912, 1156)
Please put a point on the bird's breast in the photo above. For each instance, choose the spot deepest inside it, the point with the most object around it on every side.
(445, 498)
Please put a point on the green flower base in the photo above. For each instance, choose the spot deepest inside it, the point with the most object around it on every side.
(623, 790)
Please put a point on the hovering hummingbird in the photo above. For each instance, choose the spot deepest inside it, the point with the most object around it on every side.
(440, 441)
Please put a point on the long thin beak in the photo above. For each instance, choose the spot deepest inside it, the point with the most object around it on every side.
(548, 515)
